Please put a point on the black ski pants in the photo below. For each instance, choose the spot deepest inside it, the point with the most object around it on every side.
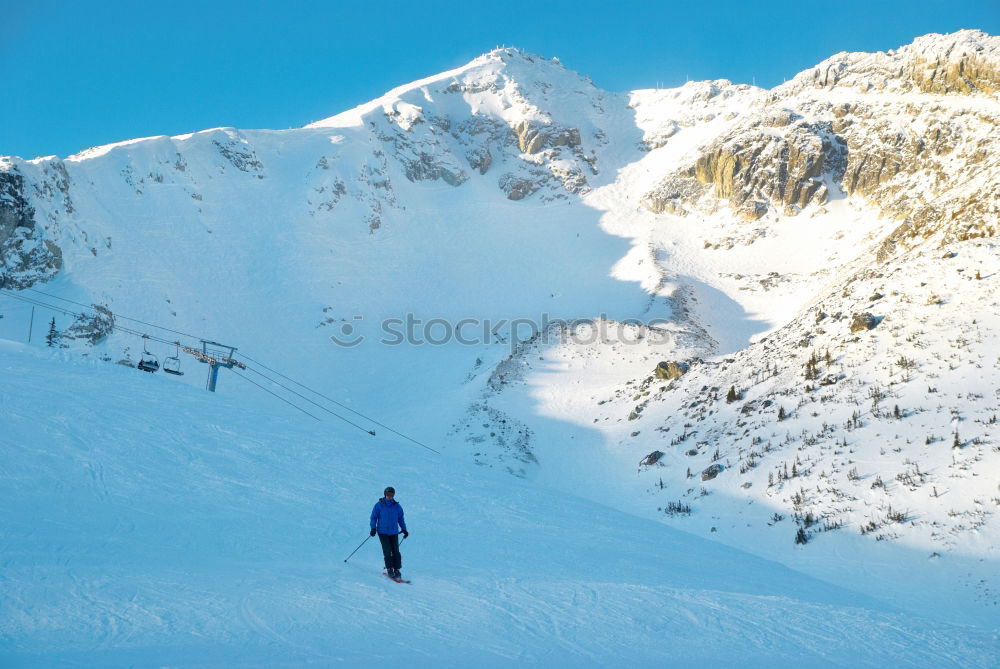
(390, 550)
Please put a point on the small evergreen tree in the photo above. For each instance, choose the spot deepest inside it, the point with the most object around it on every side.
(801, 537)
(781, 413)
(732, 395)
(52, 338)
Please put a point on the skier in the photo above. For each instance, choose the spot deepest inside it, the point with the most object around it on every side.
(387, 521)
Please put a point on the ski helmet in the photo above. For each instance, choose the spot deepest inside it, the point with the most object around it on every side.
(388, 490)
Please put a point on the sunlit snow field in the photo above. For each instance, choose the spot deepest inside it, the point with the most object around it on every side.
(151, 524)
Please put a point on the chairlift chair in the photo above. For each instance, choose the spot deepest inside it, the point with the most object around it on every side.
(172, 364)
(147, 361)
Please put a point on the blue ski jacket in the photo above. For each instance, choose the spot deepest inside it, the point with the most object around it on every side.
(387, 517)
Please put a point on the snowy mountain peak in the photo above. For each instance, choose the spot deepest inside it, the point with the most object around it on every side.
(505, 83)
(539, 127)
(512, 57)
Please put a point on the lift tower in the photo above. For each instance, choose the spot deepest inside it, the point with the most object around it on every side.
(215, 355)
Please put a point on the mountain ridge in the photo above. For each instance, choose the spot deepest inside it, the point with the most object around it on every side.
(719, 218)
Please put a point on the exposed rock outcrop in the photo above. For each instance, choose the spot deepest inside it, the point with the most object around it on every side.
(758, 166)
(91, 328)
(863, 321)
(239, 153)
(532, 137)
(651, 459)
(669, 371)
(26, 256)
(711, 472)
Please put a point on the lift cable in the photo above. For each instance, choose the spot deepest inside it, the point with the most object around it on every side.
(343, 406)
(273, 393)
(280, 385)
(134, 320)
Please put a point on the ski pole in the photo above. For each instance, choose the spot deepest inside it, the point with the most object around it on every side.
(357, 549)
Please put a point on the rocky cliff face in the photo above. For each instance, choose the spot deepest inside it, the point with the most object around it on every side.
(966, 62)
(876, 127)
(775, 160)
(26, 254)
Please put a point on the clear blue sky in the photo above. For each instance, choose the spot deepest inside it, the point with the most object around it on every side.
(80, 74)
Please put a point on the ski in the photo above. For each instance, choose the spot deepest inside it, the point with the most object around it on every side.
(393, 578)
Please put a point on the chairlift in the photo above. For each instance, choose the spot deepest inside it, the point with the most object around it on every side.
(172, 364)
(147, 361)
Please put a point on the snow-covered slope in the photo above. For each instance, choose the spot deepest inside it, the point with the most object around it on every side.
(149, 524)
(879, 445)
(574, 239)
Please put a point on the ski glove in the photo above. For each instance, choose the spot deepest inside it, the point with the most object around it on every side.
(372, 532)
(406, 534)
